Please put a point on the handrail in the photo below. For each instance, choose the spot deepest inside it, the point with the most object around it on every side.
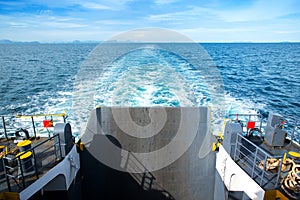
(244, 114)
(31, 119)
(138, 164)
(141, 163)
(64, 114)
(259, 120)
(43, 142)
(253, 158)
(32, 148)
(10, 170)
(291, 120)
(262, 150)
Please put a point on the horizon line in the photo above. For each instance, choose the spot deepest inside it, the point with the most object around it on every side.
(8, 41)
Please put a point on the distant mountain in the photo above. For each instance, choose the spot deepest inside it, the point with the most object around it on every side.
(5, 41)
(84, 42)
(17, 42)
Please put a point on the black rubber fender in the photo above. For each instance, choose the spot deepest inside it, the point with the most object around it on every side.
(21, 132)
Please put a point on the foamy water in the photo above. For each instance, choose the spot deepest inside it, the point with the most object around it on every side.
(40, 78)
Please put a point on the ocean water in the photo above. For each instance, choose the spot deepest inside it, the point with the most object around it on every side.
(250, 77)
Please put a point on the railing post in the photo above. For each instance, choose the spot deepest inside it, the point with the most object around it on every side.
(59, 145)
(35, 164)
(236, 146)
(254, 163)
(279, 172)
(260, 125)
(5, 171)
(4, 127)
(33, 125)
(127, 161)
(249, 119)
(143, 180)
(21, 169)
(263, 172)
(293, 132)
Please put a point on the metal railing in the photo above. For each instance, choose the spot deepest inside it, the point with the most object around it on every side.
(291, 124)
(254, 160)
(33, 122)
(244, 119)
(139, 172)
(23, 169)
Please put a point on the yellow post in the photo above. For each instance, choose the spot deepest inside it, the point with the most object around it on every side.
(284, 158)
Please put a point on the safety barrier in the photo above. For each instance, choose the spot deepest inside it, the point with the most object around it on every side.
(248, 122)
(264, 168)
(34, 123)
(133, 165)
(24, 168)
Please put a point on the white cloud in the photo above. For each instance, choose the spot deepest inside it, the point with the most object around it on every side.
(164, 2)
(115, 22)
(102, 4)
(17, 24)
(119, 2)
(96, 6)
(162, 17)
(62, 25)
(152, 35)
(263, 20)
(260, 10)
(41, 22)
(193, 13)
(242, 33)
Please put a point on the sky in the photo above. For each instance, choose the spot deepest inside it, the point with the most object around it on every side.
(200, 20)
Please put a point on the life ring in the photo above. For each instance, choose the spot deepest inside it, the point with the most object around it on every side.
(22, 133)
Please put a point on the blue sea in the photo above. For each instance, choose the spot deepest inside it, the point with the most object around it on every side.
(245, 77)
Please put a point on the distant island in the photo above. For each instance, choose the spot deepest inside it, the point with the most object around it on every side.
(6, 41)
(16, 42)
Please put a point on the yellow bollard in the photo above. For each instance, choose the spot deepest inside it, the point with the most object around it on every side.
(284, 158)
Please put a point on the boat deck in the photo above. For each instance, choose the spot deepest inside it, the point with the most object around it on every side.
(277, 151)
(269, 166)
(17, 170)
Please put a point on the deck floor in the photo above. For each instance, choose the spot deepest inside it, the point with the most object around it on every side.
(45, 159)
(253, 163)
